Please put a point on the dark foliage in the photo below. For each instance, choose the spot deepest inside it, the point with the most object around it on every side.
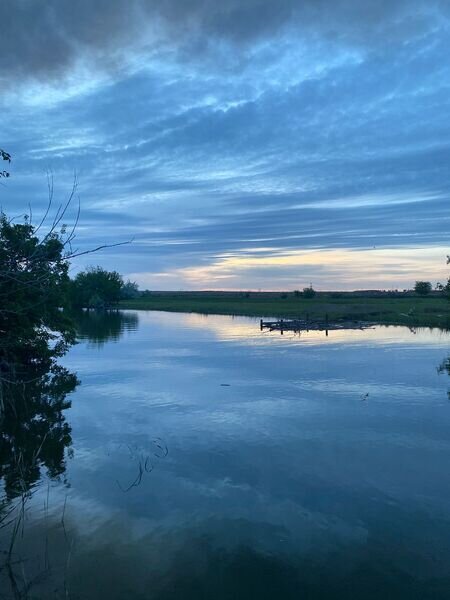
(96, 288)
(34, 332)
(33, 290)
(309, 292)
(423, 288)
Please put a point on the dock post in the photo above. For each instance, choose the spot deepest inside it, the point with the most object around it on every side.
(261, 324)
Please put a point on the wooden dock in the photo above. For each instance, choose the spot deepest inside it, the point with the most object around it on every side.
(299, 325)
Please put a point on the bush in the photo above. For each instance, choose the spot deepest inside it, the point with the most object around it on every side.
(309, 292)
(422, 288)
(129, 290)
(96, 288)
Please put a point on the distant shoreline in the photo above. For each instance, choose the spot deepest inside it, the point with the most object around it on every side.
(402, 308)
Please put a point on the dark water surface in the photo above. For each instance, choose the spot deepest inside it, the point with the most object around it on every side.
(206, 459)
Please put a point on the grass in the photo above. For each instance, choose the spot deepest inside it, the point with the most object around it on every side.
(432, 311)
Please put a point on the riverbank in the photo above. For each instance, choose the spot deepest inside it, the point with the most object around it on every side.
(411, 310)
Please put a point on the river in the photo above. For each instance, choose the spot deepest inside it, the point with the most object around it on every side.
(203, 458)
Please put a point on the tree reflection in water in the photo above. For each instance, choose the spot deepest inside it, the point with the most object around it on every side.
(35, 438)
(34, 434)
(445, 366)
(100, 326)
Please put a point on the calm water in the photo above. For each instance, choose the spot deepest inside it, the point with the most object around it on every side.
(203, 458)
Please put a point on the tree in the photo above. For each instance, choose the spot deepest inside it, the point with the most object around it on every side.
(309, 292)
(96, 288)
(33, 288)
(446, 287)
(129, 290)
(34, 332)
(422, 288)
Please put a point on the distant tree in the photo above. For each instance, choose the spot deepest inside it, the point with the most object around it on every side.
(422, 288)
(129, 290)
(297, 293)
(446, 287)
(96, 288)
(309, 292)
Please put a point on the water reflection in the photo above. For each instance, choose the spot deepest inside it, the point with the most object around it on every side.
(101, 326)
(34, 433)
(215, 461)
(444, 367)
(246, 330)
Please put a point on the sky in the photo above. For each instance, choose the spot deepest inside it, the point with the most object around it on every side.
(241, 144)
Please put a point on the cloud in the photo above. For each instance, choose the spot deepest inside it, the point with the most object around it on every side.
(206, 130)
(45, 41)
(283, 270)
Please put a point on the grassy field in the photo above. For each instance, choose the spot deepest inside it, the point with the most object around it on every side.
(411, 310)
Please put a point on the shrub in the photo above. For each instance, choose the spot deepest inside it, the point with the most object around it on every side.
(96, 288)
(422, 288)
(309, 292)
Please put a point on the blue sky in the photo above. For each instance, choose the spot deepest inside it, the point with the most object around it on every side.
(242, 144)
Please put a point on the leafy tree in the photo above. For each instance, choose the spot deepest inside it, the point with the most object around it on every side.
(33, 288)
(309, 292)
(34, 332)
(422, 288)
(129, 290)
(446, 287)
(96, 288)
